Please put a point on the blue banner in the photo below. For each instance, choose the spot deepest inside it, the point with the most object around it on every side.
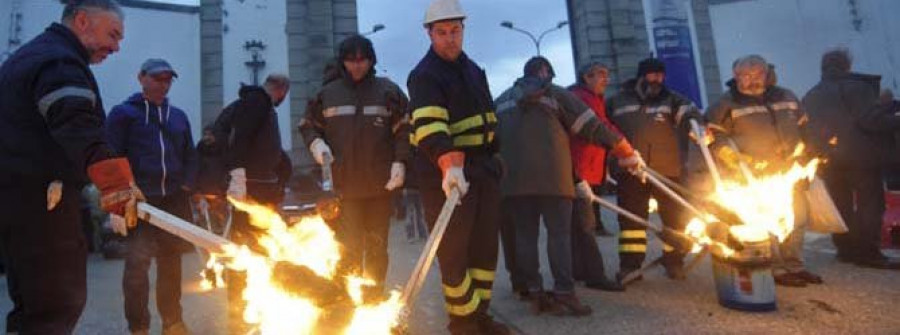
(674, 47)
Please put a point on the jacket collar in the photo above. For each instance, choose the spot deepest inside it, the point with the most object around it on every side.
(71, 40)
(460, 61)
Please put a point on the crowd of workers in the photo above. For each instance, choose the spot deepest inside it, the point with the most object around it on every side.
(538, 153)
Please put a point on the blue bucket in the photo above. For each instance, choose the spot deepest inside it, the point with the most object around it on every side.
(744, 281)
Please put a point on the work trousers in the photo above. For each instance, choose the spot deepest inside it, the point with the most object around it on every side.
(858, 194)
(634, 196)
(363, 232)
(47, 258)
(145, 243)
(587, 262)
(467, 254)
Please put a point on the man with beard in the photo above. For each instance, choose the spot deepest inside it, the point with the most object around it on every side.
(652, 118)
(765, 122)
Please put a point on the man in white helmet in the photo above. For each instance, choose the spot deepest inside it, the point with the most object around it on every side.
(453, 136)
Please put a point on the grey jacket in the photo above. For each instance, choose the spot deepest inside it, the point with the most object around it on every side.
(534, 129)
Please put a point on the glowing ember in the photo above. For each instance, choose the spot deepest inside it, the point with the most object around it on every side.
(310, 244)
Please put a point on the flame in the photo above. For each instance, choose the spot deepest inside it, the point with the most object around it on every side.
(310, 243)
(765, 205)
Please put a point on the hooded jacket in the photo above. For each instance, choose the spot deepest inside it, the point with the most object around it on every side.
(157, 141)
(366, 125)
(535, 126)
(655, 126)
(254, 141)
(836, 107)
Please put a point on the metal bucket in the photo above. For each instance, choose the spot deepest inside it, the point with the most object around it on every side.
(744, 281)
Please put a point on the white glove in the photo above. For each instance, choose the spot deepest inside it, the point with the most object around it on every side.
(54, 194)
(583, 190)
(319, 150)
(118, 225)
(398, 175)
(455, 178)
(237, 187)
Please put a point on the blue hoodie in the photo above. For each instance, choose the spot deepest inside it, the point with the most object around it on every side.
(157, 142)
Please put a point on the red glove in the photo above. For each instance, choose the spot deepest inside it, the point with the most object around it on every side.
(629, 158)
(452, 168)
(118, 193)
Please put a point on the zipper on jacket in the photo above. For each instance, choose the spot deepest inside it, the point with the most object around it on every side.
(162, 147)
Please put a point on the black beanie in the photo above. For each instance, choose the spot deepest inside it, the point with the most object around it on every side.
(650, 65)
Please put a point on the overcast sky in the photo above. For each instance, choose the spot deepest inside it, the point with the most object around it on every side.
(500, 51)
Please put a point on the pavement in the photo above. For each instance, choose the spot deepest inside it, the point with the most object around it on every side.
(853, 300)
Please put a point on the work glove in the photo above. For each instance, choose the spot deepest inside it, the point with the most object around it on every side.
(320, 150)
(237, 187)
(629, 158)
(583, 190)
(452, 165)
(398, 176)
(118, 193)
(54, 194)
(118, 225)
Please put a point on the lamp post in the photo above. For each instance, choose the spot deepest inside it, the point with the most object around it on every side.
(376, 28)
(537, 41)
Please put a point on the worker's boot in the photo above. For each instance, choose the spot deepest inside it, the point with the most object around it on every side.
(488, 326)
(570, 303)
(674, 264)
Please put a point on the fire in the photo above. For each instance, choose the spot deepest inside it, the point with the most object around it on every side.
(765, 206)
(309, 244)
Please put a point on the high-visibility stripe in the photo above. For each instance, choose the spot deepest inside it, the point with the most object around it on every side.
(550, 103)
(627, 109)
(505, 106)
(51, 98)
(466, 309)
(785, 105)
(459, 290)
(659, 109)
(345, 110)
(434, 112)
(471, 140)
(484, 293)
(633, 234)
(481, 274)
(633, 248)
(741, 112)
(431, 129)
(582, 120)
(471, 122)
(376, 111)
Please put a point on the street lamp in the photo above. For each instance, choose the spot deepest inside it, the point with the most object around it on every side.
(376, 28)
(537, 41)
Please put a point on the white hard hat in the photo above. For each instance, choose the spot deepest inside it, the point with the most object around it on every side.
(440, 10)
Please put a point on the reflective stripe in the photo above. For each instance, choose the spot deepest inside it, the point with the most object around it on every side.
(471, 140)
(430, 129)
(505, 106)
(549, 102)
(471, 122)
(481, 274)
(339, 111)
(51, 98)
(376, 111)
(659, 109)
(460, 290)
(785, 105)
(434, 112)
(633, 248)
(741, 112)
(464, 310)
(582, 120)
(633, 234)
(484, 293)
(627, 109)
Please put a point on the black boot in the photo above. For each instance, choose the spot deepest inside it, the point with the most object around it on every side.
(571, 303)
(488, 326)
(606, 285)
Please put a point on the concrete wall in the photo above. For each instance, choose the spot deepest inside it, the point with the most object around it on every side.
(793, 34)
(148, 33)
